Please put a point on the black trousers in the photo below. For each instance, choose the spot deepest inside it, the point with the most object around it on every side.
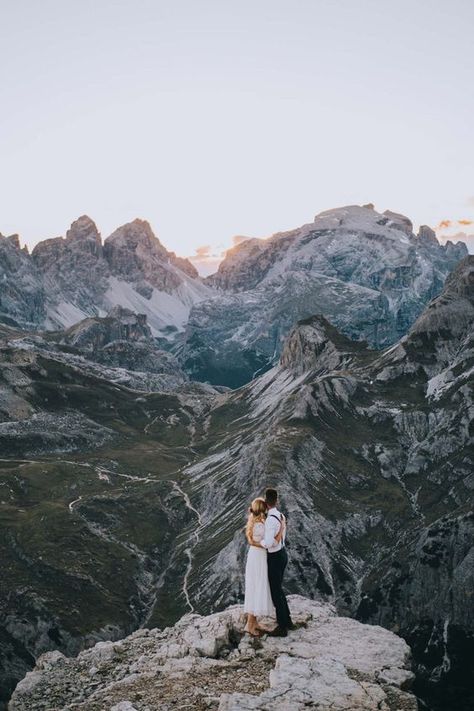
(277, 563)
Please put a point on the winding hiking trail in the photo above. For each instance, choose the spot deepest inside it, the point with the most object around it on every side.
(72, 504)
(188, 545)
(193, 541)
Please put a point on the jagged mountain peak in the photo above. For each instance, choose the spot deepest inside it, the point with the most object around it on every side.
(136, 233)
(426, 234)
(70, 277)
(329, 245)
(399, 221)
(14, 240)
(315, 344)
(84, 228)
(134, 250)
(362, 217)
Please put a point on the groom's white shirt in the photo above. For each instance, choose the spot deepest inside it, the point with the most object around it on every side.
(272, 526)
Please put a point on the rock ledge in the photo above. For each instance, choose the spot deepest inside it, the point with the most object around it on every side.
(330, 662)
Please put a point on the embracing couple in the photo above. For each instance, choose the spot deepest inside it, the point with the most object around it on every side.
(266, 563)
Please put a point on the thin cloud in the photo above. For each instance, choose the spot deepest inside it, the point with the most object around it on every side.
(203, 252)
(465, 222)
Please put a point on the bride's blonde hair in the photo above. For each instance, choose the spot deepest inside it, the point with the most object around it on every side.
(257, 511)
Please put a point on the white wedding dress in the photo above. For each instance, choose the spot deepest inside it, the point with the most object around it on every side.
(258, 600)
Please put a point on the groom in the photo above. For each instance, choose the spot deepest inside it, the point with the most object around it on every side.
(277, 560)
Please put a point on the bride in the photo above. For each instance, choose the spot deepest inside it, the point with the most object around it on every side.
(258, 600)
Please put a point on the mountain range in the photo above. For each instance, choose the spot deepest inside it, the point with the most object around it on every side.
(365, 271)
(124, 480)
(66, 279)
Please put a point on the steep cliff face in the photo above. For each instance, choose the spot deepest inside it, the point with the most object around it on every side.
(74, 273)
(330, 663)
(364, 271)
(22, 298)
(133, 252)
(122, 339)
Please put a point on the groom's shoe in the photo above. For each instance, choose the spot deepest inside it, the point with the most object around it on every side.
(278, 632)
(296, 626)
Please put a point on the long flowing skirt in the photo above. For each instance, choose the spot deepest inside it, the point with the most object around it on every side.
(258, 600)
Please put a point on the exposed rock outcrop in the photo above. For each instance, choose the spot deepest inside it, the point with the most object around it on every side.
(22, 297)
(133, 252)
(122, 339)
(314, 345)
(331, 663)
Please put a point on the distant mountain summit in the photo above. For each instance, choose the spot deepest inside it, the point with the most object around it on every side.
(367, 272)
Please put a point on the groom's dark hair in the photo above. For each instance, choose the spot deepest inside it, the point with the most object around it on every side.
(271, 496)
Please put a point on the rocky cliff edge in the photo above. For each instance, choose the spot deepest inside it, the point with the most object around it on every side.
(329, 663)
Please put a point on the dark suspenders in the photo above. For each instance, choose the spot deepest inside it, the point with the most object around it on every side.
(280, 522)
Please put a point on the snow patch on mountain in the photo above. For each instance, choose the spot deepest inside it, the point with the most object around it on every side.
(162, 309)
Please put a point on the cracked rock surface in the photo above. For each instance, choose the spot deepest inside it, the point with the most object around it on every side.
(329, 663)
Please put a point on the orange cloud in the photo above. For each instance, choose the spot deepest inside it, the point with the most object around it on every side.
(206, 259)
(204, 251)
(444, 224)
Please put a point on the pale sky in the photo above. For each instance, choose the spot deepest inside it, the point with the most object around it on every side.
(216, 118)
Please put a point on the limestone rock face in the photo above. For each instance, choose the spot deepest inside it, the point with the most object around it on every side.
(399, 222)
(366, 272)
(22, 297)
(78, 276)
(73, 270)
(330, 662)
(426, 234)
(84, 232)
(135, 253)
(121, 339)
(316, 345)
